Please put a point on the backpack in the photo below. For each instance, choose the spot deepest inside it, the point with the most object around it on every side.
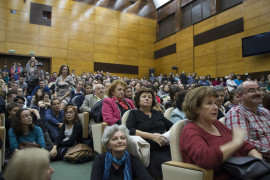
(96, 112)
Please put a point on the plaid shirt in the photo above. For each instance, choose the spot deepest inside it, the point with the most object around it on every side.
(257, 126)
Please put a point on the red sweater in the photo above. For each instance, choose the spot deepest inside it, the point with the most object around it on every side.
(201, 148)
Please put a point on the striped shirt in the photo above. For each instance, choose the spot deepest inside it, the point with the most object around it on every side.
(257, 125)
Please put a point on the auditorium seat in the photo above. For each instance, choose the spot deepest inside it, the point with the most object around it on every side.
(168, 112)
(176, 168)
(84, 118)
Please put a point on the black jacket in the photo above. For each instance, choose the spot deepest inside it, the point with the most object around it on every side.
(76, 136)
(139, 172)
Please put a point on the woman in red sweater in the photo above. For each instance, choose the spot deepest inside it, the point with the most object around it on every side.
(205, 141)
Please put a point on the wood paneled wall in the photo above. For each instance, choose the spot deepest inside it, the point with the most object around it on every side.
(80, 34)
(223, 56)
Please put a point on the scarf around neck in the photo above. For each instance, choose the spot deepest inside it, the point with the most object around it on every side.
(109, 159)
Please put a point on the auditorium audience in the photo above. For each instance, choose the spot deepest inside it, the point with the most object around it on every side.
(115, 105)
(150, 125)
(204, 140)
(250, 116)
(46, 120)
(116, 162)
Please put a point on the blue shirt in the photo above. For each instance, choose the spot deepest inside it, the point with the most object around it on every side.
(34, 136)
(177, 115)
(52, 119)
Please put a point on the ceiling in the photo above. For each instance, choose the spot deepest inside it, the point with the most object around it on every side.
(144, 8)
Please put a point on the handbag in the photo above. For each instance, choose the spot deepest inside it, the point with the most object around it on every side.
(246, 168)
(79, 153)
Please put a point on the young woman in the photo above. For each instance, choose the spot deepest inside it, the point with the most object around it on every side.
(63, 85)
(24, 133)
(36, 98)
(70, 133)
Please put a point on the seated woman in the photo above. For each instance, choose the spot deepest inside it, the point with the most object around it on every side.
(36, 98)
(116, 105)
(70, 133)
(178, 114)
(150, 125)
(30, 164)
(24, 133)
(205, 141)
(117, 163)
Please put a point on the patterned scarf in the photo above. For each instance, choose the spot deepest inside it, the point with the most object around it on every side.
(121, 102)
(109, 159)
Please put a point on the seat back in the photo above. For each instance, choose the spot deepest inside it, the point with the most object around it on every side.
(97, 132)
(168, 112)
(125, 117)
(174, 140)
(2, 119)
(222, 120)
(84, 118)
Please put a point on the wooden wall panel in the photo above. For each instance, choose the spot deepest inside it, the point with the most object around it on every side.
(223, 56)
(80, 34)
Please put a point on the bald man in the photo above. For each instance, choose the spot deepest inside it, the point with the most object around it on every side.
(251, 116)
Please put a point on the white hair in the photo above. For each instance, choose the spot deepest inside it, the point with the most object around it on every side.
(110, 131)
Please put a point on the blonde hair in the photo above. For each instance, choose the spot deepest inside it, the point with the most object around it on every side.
(194, 99)
(113, 86)
(29, 163)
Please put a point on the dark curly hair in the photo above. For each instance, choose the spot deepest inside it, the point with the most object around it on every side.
(17, 123)
(61, 69)
(139, 93)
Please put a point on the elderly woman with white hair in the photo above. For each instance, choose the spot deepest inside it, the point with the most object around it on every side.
(117, 163)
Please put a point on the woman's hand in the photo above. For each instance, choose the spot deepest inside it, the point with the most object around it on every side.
(158, 138)
(60, 125)
(238, 136)
(255, 154)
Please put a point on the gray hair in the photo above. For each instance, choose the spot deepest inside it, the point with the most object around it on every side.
(110, 131)
(97, 85)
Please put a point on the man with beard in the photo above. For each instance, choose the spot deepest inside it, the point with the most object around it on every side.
(251, 116)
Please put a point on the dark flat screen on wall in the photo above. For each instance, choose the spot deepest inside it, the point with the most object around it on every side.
(255, 45)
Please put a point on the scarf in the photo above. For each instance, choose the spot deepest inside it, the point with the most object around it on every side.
(121, 102)
(124, 160)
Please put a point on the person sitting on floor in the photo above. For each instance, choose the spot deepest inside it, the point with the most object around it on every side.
(117, 163)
